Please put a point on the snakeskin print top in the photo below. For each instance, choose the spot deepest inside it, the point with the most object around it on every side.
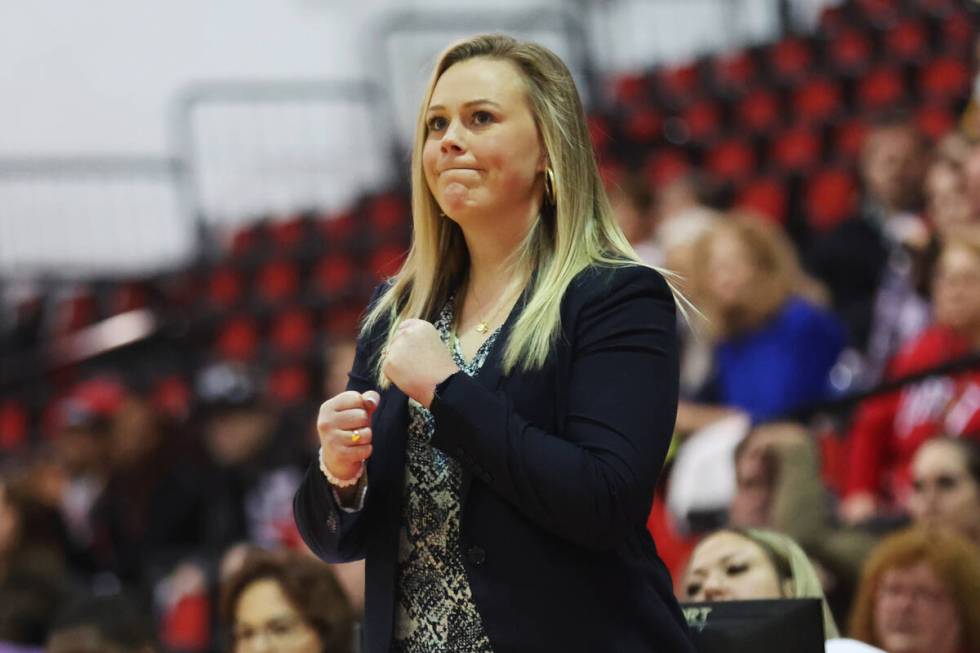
(434, 608)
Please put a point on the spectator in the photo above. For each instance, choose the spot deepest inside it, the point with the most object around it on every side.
(32, 535)
(887, 430)
(870, 262)
(774, 348)
(632, 201)
(101, 625)
(947, 203)
(740, 565)
(946, 486)
(920, 593)
(288, 601)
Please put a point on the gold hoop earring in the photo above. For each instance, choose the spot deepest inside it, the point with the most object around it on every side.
(549, 186)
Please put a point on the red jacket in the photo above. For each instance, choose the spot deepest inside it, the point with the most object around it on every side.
(887, 430)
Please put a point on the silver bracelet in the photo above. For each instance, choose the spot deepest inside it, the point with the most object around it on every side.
(336, 482)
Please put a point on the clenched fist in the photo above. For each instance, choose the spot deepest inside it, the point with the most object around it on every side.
(344, 427)
(418, 360)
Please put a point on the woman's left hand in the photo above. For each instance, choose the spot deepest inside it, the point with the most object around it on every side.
(418, 360)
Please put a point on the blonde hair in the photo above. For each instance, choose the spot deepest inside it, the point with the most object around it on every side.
(771, 255)
(954, 560)
(575, 231)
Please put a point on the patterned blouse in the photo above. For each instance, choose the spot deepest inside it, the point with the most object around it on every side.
(434, 609)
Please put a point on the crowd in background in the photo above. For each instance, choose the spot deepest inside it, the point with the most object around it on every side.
(130, 528)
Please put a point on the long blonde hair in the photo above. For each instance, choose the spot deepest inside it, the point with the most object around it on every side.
(575, 231)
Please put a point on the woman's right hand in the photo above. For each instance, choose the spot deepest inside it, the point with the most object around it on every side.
(339, 418)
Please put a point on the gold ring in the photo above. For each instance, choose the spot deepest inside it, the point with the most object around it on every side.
(355, 437)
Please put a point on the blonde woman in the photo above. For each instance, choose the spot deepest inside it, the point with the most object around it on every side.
(513, 392)
(746, 564)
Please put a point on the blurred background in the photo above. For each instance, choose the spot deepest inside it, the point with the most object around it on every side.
(196, 200)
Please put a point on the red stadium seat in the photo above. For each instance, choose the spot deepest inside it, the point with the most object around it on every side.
(907, 41)
(76, 311)
(128, 296)
(878, 12)
(850, 52)
(765, 196)
(818, 101)
(334, 275)
(632, 90)
(600, 131)
(760, 111)
(881, 89)
(171, 396)
(796, 150)
(678, 85)
(387, 260)
(703, 120)
(643, 125)
(342, 320)
(14, 425)
(734, 72)
(287, 234)
(935, 120)
(238, 339)
(791, 59)
(247, 241)
(945, 79)
(830, 197)
(732, 160)
(277, 282)
(289, 385)
(958, 33)
(664, 166)
(292, 333)
(224, 288)
(848, 140)
(338, 230)
(388, 213)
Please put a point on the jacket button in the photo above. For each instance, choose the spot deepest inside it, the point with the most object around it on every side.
(476, 555)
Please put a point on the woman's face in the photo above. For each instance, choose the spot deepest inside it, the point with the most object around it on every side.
(728, 567)
(730, 270)
(482, 156)
(946, 200)
(265, 620)
(956, 292)
(914, 613)
(943, 492)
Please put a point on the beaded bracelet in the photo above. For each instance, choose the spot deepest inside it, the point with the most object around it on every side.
(337, 482)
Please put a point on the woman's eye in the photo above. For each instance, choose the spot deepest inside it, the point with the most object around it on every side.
(946, 482)
(482, 117)
(735, 570)
(437, 123)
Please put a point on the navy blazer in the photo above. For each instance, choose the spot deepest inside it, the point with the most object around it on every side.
(559, 468)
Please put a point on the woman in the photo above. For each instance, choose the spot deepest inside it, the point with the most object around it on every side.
(946, 486)
(498, 485)
(888, 429)
(919, 594)
(286, 602)
(739, 565)
(774, 348)
(747, 564)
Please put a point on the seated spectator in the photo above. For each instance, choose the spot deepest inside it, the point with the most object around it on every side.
(101, 625)
(288, 601)
(632, 202)
(920, 593)
(778, 485)
(947, 203)
(32, 535)
(875, 250)
(946, 486)
(774, 348)
(739, 565)
(887, 430)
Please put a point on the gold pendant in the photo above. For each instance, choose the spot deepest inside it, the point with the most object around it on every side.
(482, 327)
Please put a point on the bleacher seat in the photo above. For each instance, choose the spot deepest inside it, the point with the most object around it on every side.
(830, 196)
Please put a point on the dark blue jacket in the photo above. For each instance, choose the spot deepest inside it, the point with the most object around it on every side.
(559, 467)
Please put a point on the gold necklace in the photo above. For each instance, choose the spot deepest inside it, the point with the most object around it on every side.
(483, 325)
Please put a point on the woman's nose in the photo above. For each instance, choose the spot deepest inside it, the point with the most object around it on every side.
(714, 589)
(452, 139)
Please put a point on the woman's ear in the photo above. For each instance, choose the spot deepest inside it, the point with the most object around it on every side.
(789, 588)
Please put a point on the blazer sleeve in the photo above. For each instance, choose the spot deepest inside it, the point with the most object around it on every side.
(332, 533)
(592, 482)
